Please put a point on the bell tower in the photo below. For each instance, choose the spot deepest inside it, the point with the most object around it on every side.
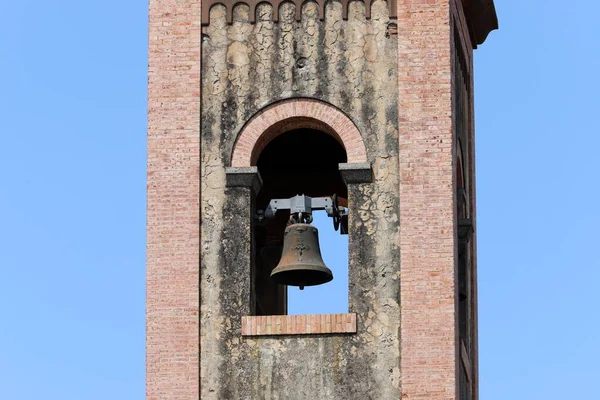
(259, 113)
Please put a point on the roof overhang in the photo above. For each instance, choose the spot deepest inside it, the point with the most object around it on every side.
(481, 19)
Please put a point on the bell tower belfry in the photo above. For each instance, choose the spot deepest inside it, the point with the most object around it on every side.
(260, 112)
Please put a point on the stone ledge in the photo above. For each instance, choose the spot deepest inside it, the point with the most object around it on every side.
(243, 177)
(356, 172)
(314, 324)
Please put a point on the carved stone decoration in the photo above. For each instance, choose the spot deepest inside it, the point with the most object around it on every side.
(230, 4)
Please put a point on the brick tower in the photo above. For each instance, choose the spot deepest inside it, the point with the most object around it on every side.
(255, 100)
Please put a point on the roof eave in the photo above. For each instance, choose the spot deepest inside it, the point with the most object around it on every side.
(481, 18)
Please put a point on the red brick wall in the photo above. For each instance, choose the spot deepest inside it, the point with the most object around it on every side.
(172, 304)
(427, 222)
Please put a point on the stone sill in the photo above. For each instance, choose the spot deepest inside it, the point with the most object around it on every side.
(315, 324)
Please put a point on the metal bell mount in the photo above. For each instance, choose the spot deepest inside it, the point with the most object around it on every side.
(301, 263)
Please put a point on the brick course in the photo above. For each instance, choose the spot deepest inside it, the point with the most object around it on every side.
(314, 324)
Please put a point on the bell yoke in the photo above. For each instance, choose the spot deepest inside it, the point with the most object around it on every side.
(301, 263)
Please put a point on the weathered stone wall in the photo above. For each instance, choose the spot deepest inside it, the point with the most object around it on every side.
(353, 66)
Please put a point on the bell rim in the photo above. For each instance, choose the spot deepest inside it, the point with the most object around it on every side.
(327, 275)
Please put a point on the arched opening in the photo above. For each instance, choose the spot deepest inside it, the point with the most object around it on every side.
(300, 161)
(291, 114)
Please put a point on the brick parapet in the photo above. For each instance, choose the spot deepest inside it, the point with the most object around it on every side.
(173, 201)
(429, 358)
(464, 39)
(313, 324)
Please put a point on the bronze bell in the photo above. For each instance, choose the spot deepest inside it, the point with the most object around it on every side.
(301, 263)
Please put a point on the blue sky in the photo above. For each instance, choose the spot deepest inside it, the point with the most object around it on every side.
(72, 200)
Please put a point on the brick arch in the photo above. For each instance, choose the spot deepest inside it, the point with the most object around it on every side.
(291, 114)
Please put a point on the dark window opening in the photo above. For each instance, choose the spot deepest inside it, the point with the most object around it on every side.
(302, 161)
